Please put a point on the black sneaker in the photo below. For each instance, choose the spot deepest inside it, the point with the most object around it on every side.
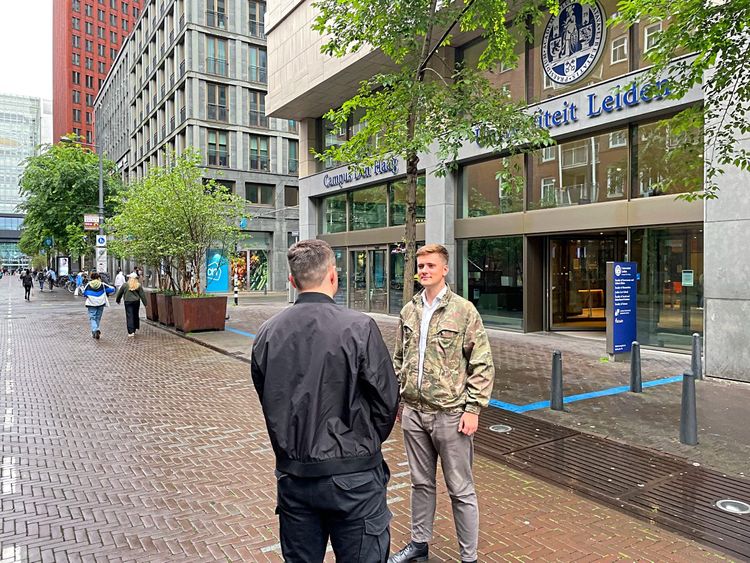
(93, 334)
(98, 334)
(411, 552)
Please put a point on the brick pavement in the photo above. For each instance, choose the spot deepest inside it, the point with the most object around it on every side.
(154, 449)
(523, 364)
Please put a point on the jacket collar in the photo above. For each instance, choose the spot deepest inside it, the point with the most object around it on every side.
(313, 297)
(417, 299)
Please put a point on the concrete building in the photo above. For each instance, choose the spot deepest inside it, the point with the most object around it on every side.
(535, 261)
(86, 37)
(194, 74)
(24, 125)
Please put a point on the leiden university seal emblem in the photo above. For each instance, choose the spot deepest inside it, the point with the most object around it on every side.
(573, 41)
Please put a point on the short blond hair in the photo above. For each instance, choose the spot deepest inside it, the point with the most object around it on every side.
(434, 249)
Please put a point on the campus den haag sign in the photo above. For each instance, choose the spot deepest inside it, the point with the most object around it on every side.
(348, 176)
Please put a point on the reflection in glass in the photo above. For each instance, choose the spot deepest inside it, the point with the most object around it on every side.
(334, 214)
(368, 209)
(378, 285)
(340, 254)
(358, 280)
(493, 279)
(670, 291)
(492, 187)
(398, 201)
(580, 172)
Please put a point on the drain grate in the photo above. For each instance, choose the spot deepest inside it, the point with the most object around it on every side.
(733, 506)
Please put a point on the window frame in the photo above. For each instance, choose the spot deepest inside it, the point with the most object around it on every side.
(615, 48)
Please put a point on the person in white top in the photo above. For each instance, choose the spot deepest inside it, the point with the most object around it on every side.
(119, 279)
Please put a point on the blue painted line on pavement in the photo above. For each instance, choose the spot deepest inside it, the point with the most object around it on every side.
(580, 397)
(242, 332)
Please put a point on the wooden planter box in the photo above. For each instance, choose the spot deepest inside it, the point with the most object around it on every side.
(193, 314)
(152, 308)
(164, 307)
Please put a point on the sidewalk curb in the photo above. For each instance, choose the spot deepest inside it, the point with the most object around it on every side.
(187, 336)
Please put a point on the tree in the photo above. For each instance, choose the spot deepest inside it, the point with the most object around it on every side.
(425, 102)
(173, 217)
(717, 33)
(61, 184)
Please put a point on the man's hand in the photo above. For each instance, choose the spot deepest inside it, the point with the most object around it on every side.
(469, 423)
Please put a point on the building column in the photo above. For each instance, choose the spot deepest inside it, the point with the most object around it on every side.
(440, 214)
(277, 255)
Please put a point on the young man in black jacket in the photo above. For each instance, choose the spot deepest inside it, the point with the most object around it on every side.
(329, 394)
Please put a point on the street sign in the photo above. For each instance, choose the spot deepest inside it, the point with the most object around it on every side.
(101, 260)
(48, 241)
(621, 306)
(101, 240)
(90, 222)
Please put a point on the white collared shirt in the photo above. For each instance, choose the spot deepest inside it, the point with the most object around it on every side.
(427, 312)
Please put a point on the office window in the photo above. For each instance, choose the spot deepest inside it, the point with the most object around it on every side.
(101, 32)
(76, 59)
(257, 18)
(217, 102)
(259, 194)
(125, 25)
(216, 60)
(620, 49)
(76, 41)
(89, 81)
(549, 153)
(76, 23)
(100, 15)
(76, 97)
(259, 153)
(77, 115)
(76, 77)
(135, 12)
(125, 8)
(368, 208)
(333, 213)
(77, 131)
(258, 65)
(113, 4)
(492, 187)
(291, 196)
(258, 109)
(651, 36)
(218, 151)
(113, 54)
(397, 201)
(293, 157)
(102, 50)
(76, 5)
(102, 67)
(89, 63)
(112, 19)
(90, 100)
(89, 28)
(113, 36)
(216, 14)
(89, 46)
(89, 119)
(618, 139)
(89, 10)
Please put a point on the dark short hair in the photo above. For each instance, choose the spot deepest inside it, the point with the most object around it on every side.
(434, 249)
(95, 276)
(309, 261)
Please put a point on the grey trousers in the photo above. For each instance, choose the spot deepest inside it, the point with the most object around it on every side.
(427, 437)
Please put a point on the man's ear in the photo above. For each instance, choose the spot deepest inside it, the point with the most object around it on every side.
(291, 281)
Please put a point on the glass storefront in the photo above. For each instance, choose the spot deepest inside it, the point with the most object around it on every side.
(334, 214)
(492, 279)
(397, 198)
(670, 291)
(341, 271)
(492, 187)
(368, 208)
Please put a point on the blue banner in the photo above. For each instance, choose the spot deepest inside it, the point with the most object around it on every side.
(217, 272)
(624, 313)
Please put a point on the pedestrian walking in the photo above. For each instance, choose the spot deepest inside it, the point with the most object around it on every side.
(444, 364)
(330, 397)
(41, 277)
(28, 282)
(96, 293)
(132, 292)
(51, 277)
(119, 280)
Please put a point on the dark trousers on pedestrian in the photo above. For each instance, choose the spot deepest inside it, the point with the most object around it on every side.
(131, 315)
(27, 292)
(350, 509)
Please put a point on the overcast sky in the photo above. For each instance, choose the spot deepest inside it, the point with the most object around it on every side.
(26, 47)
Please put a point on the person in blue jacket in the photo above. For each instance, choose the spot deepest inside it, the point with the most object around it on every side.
(96, 293)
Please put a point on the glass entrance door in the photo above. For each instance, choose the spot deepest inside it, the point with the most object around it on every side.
(578, 275)
(368, 280)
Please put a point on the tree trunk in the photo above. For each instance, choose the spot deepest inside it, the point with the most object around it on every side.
(410, 226)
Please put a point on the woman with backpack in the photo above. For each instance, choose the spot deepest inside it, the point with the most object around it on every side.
(133, 294)
(96, 299)
(27, 281)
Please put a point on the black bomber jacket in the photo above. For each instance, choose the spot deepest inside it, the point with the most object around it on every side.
(327, 386)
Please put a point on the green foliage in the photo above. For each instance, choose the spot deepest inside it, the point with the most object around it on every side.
(717, 33)
(61, 184)
(172, 217)
(38, 262)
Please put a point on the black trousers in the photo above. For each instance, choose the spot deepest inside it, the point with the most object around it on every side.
(350, 509)
(27, 291)
(131, 315)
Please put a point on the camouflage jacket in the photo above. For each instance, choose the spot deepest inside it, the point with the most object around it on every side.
(458, 371)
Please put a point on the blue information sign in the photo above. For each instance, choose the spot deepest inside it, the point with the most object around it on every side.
(624, 313)
(217, 272)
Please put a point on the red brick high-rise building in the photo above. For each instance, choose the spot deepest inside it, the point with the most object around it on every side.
(87, 34)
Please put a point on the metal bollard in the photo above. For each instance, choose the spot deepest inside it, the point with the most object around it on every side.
(688, 415)
(636, 385)
(696, 362)
(236, 291)
(556, 388)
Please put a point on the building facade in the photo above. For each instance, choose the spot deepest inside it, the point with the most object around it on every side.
(86, 37)
(24, 126)
(530, 259)
(195, 75)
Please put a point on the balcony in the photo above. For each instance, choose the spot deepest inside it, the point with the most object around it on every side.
(257, 29)
(217, 66)
(258, 119)
(217, 112)
(260, 163)
(218, 158)
(216, 19)
(258, 74)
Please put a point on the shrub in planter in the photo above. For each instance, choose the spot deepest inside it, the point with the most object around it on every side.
(164, 306)
(152, 307)
(193, 313)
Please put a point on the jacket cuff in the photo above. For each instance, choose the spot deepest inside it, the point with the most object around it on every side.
(472, 408)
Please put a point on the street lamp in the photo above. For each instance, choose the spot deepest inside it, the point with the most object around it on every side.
(101, 177)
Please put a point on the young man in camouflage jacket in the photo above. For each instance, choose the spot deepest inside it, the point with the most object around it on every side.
(444, 365)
